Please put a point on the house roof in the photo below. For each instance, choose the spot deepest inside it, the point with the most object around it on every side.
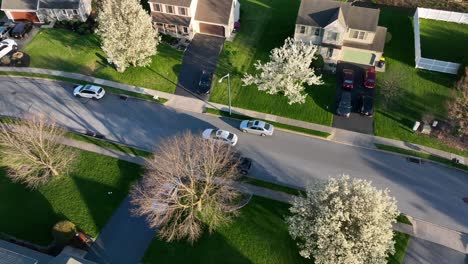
(377, 45)
(20, 4)
(214, 11)
(320, 13)
(59, 4)
(185, 3)
(171, 19)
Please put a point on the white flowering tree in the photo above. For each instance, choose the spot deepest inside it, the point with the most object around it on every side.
(127, 34)
(287, 71)
(344, 221)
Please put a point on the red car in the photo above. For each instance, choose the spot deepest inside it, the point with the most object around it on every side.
(369, 78)
(348, 79)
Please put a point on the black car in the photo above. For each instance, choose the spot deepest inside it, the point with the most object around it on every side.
(204, 85)
(21, 30)
(244, 165)
(367, 107)
(344, 106)
(4, 31)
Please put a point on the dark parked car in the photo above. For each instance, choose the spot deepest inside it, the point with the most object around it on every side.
(21, 30)
(367, 107)
(204, 86)
(370, 78)
(344, 107)
(5, 31)
(348, 79)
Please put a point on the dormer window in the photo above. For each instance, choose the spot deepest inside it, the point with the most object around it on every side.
(169, 9)
(157, 7)
(356, 34)
(183, 11)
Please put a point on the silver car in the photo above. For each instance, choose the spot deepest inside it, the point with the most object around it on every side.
(256, 127)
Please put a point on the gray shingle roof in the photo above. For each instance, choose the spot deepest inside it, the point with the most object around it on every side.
(320, 13)
(171, 19)
(20, 4)
(59, 4)
(185, 3)
(214, 11)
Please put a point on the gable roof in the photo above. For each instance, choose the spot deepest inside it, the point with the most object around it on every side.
(185, 3)
(320, 13)
(214, 11)
(20, 4)
(59, 4)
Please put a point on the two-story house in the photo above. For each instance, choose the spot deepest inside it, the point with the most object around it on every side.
(342, 31)
(184, 18)
(40, 11)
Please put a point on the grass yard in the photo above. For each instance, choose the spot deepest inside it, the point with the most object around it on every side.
(424, 92)
(443, 40)
(257, 235)
(63, 50)
(82, 197)
(265, 25)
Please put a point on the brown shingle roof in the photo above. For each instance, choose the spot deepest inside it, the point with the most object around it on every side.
(377, 45)
(214, 11)
(318, 13)
(171, 19)
(185, 3)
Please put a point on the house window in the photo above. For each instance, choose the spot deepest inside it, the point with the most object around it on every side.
(356, 34)
(333, 36)
(317, 32)
(329, 52)
(169, 9)
(183, 11)
(185, 30)
(157, 7)
(75, 12)
(301, 29)
(64, 12)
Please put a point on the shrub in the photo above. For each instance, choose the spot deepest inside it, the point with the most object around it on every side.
(63, 232)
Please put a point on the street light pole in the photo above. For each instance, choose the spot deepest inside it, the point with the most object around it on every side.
(229, 89)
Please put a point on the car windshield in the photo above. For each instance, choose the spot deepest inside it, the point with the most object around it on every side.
(348, 81)
(267, 126)
(371, 80)
(100, 90)
(230, 136)
(255, 123)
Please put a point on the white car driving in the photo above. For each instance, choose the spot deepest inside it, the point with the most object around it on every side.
(219, 135)
(6, 46)
(256, 127)
(89, 91)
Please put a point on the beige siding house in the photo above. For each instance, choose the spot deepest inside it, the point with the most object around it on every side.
(342, 31)
(184, 18)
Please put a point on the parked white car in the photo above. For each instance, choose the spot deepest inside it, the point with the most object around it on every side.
(89, 91)
(219, 135)
(256, 127)
(6, 46)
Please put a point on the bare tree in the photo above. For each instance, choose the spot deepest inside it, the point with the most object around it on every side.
(32, 152)
(187, 185)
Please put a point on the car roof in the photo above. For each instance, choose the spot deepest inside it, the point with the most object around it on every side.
(92, 87)
(222, 133)
(259, 123)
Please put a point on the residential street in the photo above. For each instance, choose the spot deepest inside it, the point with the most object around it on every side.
(430, 192)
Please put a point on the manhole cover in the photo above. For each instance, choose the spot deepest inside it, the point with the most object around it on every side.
(465, 200)
(414, 160)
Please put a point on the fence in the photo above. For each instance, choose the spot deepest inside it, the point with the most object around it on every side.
(441, 15)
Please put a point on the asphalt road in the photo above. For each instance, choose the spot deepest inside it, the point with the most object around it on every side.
(429, 191)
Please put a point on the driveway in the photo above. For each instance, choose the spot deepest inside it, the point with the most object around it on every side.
(201, 54)
(356, 122)
(426, 191)
(424, 252)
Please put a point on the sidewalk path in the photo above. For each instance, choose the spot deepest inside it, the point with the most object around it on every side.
(421, 229)
(195, 105)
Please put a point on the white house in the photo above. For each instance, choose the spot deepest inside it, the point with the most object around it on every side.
(40, 11)
(184, 18)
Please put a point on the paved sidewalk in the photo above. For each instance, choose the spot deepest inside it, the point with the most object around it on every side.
(421, 229)
(191, 104)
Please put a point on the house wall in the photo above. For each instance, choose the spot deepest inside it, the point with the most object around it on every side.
(309, 35)
(336, 54)
(368, 36)
(334, 28)
(164, 9)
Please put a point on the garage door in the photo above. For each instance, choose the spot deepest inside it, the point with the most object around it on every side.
(212, 29)
(357, 56)
(29, 16)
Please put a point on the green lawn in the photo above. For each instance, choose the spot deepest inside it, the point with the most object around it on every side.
(423, 91)
(257, 235)
(443, 40)
(401, 243)
(82, 197)
(265, 25)
(66, 51)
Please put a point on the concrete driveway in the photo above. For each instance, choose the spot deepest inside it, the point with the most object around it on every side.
(424, 252)
(201, 54)
(355, 122)
(426, 191)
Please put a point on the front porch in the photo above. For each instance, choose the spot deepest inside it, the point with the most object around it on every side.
(177, 31)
